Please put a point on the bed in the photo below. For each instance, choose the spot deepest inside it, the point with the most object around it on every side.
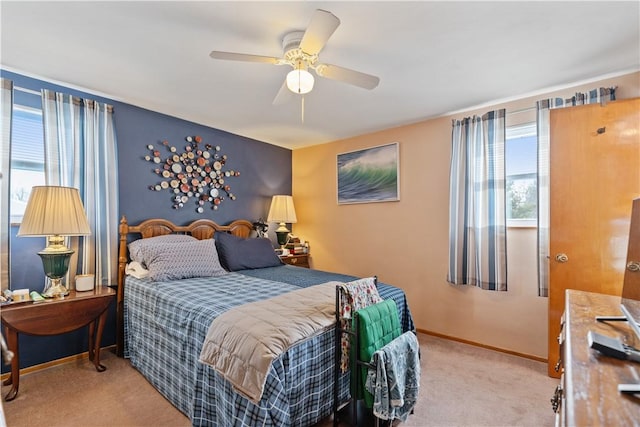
(162, 326)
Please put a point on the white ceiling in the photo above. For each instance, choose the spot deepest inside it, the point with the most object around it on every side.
(431, 57)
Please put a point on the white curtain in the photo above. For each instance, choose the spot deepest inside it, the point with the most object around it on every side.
(543, 107)
(477, 207)
(80, 152)
(6, 110)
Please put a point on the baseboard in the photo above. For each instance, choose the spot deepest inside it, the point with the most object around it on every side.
(501, 350)
(52, 363)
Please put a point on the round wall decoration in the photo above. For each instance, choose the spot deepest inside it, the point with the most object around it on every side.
(197, 173)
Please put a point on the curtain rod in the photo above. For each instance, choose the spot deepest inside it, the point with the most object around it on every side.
(35, 92)
(522, 110)
(23, 89)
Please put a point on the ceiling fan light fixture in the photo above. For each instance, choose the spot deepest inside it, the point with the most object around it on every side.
(300, 51)
(300, 81)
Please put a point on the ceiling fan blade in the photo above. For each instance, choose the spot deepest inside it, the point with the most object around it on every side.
(284, 95)
(356, 78)
(243, 57)
(322, 25)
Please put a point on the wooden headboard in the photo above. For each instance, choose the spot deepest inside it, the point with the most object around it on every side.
(200, 229)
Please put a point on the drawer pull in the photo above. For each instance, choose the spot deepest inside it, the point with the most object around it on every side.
(293, 260)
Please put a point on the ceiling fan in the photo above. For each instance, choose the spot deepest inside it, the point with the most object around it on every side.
(301, 49)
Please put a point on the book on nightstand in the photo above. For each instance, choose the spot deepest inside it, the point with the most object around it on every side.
(296, 246)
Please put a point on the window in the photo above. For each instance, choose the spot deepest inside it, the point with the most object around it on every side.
(27, 157)
(521, 164)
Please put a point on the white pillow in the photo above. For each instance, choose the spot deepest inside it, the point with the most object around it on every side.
(136, 270)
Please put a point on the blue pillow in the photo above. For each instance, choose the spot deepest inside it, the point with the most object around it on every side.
(142, 250)
(236, 253)
(182, 260)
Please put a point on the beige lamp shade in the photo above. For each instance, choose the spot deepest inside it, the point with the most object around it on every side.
(54, 211)
(282, 210)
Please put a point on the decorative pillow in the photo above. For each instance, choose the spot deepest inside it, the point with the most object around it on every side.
(237, 253)
(174, 261)
(139, 249)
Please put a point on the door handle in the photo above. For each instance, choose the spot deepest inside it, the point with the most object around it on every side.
(633, 266)
(562, 258)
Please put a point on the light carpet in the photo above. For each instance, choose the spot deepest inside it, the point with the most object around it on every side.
(461, 385)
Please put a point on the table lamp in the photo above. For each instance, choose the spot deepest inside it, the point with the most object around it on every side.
(282, 212)
(54, 212)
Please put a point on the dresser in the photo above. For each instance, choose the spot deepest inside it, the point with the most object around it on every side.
(588, 391)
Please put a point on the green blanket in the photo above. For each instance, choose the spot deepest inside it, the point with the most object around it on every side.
(377, 326)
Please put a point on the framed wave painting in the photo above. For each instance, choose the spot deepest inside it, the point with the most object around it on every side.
(369, 175)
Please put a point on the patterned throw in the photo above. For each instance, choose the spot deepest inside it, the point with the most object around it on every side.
(395, 382)
(354, 296)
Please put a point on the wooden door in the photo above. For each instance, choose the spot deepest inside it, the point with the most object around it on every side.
(594, 177)
(631, 286)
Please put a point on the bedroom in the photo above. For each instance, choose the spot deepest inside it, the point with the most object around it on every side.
(404, 243)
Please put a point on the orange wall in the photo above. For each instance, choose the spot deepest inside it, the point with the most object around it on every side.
(405, 243)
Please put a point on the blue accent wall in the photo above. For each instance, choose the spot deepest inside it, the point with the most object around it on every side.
(265, 170)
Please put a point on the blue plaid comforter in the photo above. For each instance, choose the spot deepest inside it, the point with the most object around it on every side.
(165, 326)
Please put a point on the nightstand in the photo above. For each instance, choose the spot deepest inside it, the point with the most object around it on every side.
(53, 317)
(301, 260)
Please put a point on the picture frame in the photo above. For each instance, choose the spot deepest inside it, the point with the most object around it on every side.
(370, 175)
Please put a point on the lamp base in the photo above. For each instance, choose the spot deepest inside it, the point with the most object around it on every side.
(55, 289)
(55, 264)
(282, 237)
